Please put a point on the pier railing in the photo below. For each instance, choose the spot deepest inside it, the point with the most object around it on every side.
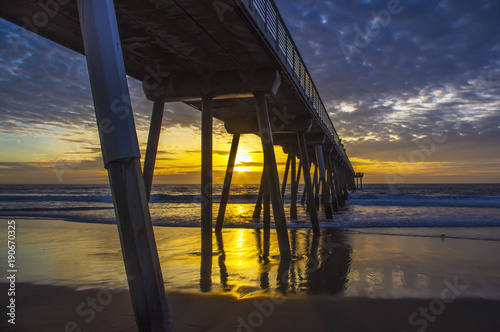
(282, 42)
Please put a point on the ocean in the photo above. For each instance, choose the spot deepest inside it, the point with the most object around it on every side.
(376, 205)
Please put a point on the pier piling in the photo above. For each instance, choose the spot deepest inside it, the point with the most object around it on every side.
(266, 222)
(304, 159)
(331, 184)
(271, 174)
(294, 186)
(153, 140)
(206, 175)
(316, 186)
(285, 176)
(322, 180)
(121, 156)
(258, 204)
(227, 182)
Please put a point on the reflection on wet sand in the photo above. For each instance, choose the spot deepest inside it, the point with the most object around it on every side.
(320, 263)
(338, 262)
(206, 274)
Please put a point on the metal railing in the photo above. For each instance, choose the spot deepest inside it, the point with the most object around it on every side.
(284, 45)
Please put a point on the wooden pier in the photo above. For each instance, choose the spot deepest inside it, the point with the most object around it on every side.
(237, 63)
(359, 180)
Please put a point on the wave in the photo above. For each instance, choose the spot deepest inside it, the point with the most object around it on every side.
(423, 200)
(155, 198)
(411, 223)
(57, 198)
(58, 209)
(362, 199)
(165, 198)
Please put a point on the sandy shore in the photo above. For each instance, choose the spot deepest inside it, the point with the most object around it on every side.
(342, 281)
(52, 308)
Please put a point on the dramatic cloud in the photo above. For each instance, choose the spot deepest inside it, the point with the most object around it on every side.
(44, 85)
(392, 79)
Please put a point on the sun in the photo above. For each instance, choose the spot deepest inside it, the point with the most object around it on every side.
(243, 161)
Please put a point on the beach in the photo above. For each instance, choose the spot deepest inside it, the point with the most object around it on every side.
(344, 280)
(53, 308)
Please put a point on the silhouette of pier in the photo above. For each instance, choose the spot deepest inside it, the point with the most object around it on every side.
(359, 180)
(233, 60)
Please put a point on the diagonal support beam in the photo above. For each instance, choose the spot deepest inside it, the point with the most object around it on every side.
(336, 179)
(304, 160)
(316, 186)
(121, 157)
(152, 147)
(304, 192)
(285, 176)
(258, 204)
(322, 179)
(331, 185)
(138, 245)
(271, 175)
(227, 182)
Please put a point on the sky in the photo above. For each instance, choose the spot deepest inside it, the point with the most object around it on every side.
(412, 87)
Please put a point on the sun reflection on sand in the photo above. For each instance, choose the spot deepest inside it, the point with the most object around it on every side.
(338, 262)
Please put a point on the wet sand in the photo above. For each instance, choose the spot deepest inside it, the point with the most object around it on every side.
(340, 281)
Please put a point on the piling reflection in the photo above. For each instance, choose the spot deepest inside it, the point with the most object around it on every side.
(248, 263)
(222, 262)
(206, 274)
(328, 263)
(283, 277)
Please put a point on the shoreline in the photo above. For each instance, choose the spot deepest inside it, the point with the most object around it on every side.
(290, 224)
(239, 215)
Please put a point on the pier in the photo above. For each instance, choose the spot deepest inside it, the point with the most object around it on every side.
(233, 60)
(359, 180)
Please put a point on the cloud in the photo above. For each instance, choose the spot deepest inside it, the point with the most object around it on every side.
(435, 66)
(45, 86)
